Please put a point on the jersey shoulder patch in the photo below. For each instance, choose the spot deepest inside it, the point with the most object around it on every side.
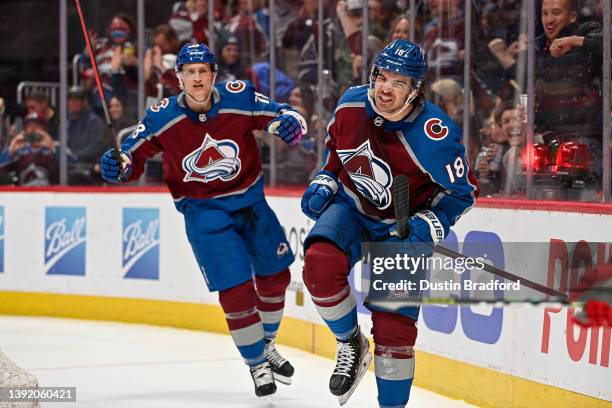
(161, 113)
(354, 94)
(236, 86)
(436, 125)
(236, 94)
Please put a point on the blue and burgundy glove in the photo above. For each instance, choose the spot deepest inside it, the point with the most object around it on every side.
(425, 226)
(319, 194)
(113, 171)
(426, 230)
(289, 126)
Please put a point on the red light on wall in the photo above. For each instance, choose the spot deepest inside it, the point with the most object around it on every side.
(572, 155)
(540, 157)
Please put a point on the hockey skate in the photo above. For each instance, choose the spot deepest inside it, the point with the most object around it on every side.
(263, 379)
(281, 368)
(352, 361)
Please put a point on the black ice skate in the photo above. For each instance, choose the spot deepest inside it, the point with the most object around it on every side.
(352, 361)
(281, 368)
(263, 379)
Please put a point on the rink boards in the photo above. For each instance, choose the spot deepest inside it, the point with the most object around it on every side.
(124, 256)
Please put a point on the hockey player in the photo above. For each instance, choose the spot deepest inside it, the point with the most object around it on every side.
(213, 170)
(379, 131)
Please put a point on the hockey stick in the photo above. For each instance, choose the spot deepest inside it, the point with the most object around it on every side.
(401, 197)
(109, 123)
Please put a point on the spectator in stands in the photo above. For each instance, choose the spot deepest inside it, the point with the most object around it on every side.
(568, 77)
(400, 28)
(189, 21)
(33, 155)
(302, 98)
(252, 40)
(88, 83)
(120, 118)
(87, 137)
(374, 46)
(159, 62)
(496, 133)
(490, 80)
(261, 79)
(444, 38)
(568, 69)
(300, 40)
(120, 35)
(350, 15)
(448, 95)
(380, 14)
(38, 102)
(230, 64)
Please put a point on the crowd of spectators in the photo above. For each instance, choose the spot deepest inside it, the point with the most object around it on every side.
(568, 97)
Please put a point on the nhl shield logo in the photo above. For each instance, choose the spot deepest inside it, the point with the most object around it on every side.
(371, 175)
(214, 160)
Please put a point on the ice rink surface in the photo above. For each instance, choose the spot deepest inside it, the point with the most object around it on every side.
(118, 365)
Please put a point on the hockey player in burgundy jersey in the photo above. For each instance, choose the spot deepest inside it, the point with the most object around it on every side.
(379, 131)
(213, 171)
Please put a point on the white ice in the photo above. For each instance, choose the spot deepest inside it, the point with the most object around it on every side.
(127, 365)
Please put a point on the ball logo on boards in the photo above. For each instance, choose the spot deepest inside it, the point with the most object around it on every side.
(141, 243)
(65, 240)
(1, 239)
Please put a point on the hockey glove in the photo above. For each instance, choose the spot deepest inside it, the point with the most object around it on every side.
(425, 226)
(290, 127)
(319, 194)
(113, 171)
(426, 230)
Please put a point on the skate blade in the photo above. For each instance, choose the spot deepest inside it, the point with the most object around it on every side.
(282, 379)
(367, 359)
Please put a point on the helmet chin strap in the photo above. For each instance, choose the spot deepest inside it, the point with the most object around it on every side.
(191, 98)
(400, 113)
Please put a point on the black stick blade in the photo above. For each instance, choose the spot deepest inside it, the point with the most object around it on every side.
(401, 201)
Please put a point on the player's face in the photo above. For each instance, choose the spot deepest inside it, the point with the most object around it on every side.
(555, 17)
(198, 80)
(391, 91)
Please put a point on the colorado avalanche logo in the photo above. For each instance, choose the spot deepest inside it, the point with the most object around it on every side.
(215, 159)
(371, 175)
(435, 130)
(235, 86)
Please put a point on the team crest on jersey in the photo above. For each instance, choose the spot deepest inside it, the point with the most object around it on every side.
(371, 175)
(435, 130)
(163, 104)
(214, 160)
(235, 86)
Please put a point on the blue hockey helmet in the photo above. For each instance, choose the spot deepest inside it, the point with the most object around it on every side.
(195, 53)
(404, 58)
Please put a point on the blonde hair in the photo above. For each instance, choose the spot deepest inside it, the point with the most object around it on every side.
(449, 90)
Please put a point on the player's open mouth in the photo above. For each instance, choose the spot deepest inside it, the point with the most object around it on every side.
(385, 99)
